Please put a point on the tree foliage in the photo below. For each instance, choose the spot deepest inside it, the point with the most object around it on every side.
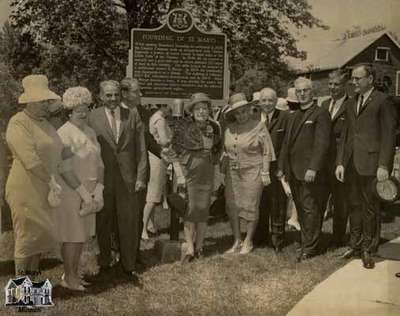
(83, 42)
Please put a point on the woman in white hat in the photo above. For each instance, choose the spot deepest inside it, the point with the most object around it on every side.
(82, 172)
(32, 191)
(248, 152)
(198, 148)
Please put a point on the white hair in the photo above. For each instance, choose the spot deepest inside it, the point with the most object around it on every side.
(305, 80)
(268, 91)
(76, 96)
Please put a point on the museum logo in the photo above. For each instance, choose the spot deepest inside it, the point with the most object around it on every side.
(25, 294)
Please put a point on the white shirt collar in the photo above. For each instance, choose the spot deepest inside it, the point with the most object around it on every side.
(124, 106)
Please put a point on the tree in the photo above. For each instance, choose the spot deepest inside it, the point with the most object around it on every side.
(87, 41)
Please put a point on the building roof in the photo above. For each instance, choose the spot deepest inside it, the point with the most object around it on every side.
(335, 54)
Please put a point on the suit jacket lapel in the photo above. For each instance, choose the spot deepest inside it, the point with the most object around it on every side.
(366, 102)
(274, 120)
(341, 110)
(124, 115)
(303, 120)
(108, 134)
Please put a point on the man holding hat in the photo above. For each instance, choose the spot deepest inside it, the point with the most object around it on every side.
(273, 200)
(366, 153)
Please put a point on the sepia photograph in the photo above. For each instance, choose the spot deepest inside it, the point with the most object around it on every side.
(200, 157)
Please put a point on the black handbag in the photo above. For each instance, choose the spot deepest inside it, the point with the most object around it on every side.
(178, 202)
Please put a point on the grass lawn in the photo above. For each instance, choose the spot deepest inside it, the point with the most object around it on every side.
(260, 283)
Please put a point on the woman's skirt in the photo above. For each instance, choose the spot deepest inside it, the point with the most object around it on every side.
(199, 181)
(158, 179)
(243, 189)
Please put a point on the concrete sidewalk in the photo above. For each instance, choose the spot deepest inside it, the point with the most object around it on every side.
(354, 291)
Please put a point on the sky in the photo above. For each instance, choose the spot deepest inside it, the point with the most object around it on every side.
(339, 15)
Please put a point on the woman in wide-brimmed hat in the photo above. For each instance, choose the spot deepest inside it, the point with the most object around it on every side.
(248, 152)
(32, 190)
(198, 147)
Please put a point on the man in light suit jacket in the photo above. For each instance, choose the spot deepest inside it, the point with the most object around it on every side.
(125, 173)
(303, 160)
(366, 153)
(336, 105)
(273, 200)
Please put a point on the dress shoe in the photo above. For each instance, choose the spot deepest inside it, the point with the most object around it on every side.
(72, 287)
(187, 259)
(246, 248)
(367, 260)
(199, 254)
(304, 257)
(350, 253)
(235, 248)
(278, 249)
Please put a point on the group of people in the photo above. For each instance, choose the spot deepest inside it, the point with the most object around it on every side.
(101, 172)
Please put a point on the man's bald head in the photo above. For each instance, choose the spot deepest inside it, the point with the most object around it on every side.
(268, 99)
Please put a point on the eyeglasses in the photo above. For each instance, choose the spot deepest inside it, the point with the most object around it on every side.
(357, 78)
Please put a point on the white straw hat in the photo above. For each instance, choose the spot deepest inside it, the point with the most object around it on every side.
(36, 88)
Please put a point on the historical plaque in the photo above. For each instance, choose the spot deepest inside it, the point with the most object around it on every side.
(177, 59)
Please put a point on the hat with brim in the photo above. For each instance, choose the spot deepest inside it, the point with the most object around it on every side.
(292, 97)
(36, 89)
(236, 101)
(282, 104)
(388, 190)
(197, 98)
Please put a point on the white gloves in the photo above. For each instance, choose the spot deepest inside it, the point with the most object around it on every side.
(54, 197)
(180, 178)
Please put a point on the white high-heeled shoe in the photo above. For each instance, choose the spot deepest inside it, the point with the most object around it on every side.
(64, 284)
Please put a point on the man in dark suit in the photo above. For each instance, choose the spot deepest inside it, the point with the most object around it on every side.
(366, 153)
(303, 162)
(125, 172)
(273, 199)
(336, 106)
(131, 99)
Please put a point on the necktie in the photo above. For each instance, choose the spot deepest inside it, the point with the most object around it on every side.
(360, 104)
(114, 125)
(332, 108)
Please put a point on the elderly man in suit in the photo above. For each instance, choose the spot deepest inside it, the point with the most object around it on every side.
(366, 153)
(336, 105)
(273, 200)
(304, 160)
(125, 174)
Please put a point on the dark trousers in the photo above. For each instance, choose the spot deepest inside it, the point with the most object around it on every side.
(310, 200)
(340, 213)
(272, 214)
(120, 215)
(364, 211)
(141, 200)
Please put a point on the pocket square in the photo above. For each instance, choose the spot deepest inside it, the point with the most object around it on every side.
(280, 130)
(341, 118)
(309, 122)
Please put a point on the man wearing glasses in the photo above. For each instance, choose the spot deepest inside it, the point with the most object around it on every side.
(366, 152)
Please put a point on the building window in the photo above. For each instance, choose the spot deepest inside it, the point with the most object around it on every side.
(382, 54)
(397, 83)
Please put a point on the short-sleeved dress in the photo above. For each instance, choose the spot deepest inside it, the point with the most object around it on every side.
(198, 150)
(33, 142)
(245, 152)
(86, 165)
(158, 167)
